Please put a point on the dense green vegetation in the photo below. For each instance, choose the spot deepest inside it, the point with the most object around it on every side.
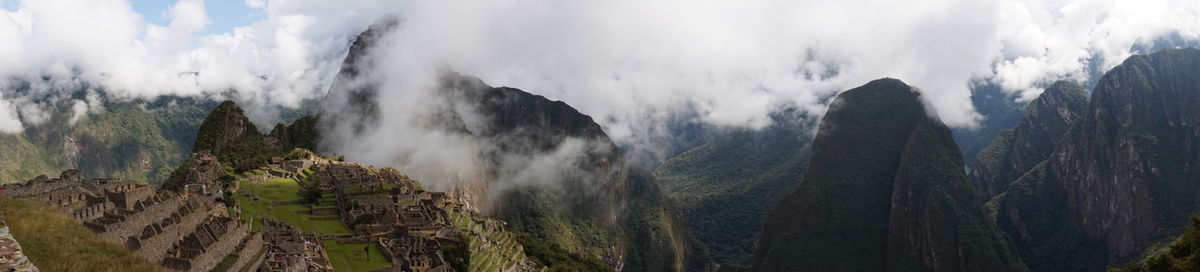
(538, 214)
(1182, 255)
(23, 159)
(54, 242)
(230, 136)
(557, 259)
(457, 255)
(137, 141)
(725, 187)
(652, 223)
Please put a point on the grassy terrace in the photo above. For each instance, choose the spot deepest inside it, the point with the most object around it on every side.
(280, 198)
(350, 257)
(226, 263)
(486, 256)
(55, 243)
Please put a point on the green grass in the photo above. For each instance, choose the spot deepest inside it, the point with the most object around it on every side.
(350, 256)
(226, 263)
(257, 256)
(55, 243)
(296, 214)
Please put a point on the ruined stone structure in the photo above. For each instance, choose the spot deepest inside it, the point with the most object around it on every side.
(187, 232)
(203, 168)
(411, 224)
(291, 250)
(11, 256)
(42, 185)
(248, 253)
(296, 166)
(81, 199)
(207, 245)
(411, 253)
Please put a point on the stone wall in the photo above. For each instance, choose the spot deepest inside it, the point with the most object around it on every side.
(223, 247)
(124, 196)
(34, 188)
(118, 228)
(89, 212)
(156, 239)
(248, 259)
(11, 256)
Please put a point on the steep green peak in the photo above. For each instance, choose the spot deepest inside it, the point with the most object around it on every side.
(880, 113)
(224, 124)
(880, 94)
(884, 188)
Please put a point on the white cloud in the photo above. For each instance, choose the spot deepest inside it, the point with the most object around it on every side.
(288, 56)
(8, 118)
(1049, 40)
(628, 63)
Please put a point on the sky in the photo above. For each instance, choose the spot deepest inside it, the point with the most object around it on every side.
(630, 64)
(224, 15)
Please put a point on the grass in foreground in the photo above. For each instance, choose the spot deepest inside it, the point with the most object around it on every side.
(55, 243)
(282, 190)
(350, 257)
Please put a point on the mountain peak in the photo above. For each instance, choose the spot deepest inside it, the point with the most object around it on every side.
(881, 181)
(1017, 150)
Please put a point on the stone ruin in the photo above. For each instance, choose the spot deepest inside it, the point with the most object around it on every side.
(205, 170)
(185, 232)
(289, 249)
(207, 245)
(11, 256)
(411, 224)
(411, 253)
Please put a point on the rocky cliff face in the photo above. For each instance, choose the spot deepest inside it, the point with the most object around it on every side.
(602, 196)
(884, 191)
(1125, 175)
(352, 98)
(598, 210)
(1016, 151)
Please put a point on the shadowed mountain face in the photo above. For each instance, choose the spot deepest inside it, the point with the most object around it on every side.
(1015, 151)
(1126, 175)
(884, 191)
(598, 207)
